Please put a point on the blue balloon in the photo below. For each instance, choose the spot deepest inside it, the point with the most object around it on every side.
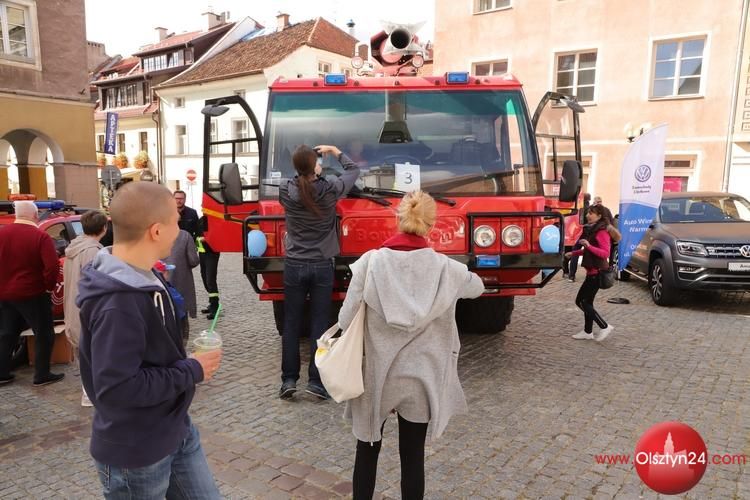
(256, 243)
(549, 239)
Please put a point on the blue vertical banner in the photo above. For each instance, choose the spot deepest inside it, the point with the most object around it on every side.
(110, 134)
(641, 187)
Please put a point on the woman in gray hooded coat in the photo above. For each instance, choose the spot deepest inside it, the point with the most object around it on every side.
(184, 257)
(411, 344)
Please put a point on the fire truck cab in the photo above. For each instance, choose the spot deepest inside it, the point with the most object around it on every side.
(499, 174)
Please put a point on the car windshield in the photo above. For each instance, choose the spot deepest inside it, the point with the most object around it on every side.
(705, 209)
(453, 142)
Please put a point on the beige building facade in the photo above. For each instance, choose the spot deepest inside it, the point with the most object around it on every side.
(629, 63)
(46, 118)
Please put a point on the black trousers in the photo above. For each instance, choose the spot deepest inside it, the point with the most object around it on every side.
(570, 266)
(585, 301)
(411, 437)
(209, 262)
(15, 315)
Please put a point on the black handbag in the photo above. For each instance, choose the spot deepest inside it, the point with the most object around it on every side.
(607, 278)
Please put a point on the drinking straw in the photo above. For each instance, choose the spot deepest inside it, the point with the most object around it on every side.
(213, 323)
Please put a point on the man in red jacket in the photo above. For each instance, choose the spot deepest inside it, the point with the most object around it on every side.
(28, 272)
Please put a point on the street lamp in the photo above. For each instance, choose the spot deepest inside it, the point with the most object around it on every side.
(632, 132)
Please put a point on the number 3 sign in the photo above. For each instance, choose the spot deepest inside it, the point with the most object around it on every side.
(407, 177)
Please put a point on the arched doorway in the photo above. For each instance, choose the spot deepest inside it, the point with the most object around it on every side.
(33, 153)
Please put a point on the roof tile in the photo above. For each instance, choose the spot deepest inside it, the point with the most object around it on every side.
(254, 55)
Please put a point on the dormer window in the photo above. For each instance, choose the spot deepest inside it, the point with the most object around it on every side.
(164, 61)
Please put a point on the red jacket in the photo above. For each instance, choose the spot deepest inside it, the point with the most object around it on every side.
(28, 262)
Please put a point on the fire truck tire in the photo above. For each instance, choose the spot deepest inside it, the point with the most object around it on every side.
(485, 315)
(278, 316)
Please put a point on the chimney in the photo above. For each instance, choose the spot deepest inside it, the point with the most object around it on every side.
(282, 21)
(350, 25)
(213, 20)
(161, 34)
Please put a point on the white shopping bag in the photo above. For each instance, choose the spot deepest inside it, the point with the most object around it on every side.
(339, 359)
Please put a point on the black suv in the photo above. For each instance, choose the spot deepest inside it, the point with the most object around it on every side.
(698, 241)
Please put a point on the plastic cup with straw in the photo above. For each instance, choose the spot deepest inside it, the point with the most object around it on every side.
(208, 340)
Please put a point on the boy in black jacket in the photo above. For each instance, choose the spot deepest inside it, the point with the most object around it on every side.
(133, 364)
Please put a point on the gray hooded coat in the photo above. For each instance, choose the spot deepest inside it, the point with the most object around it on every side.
(80, 252)
(184, 256)
(411, 339)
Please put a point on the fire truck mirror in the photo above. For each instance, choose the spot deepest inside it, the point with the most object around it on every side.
(570, 181)
(231, 183)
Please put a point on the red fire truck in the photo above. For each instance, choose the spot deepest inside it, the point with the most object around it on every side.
(498, 173)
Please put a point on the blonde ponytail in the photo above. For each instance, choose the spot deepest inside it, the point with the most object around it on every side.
(417, 213)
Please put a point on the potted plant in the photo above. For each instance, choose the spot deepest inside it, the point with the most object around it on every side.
(141, 160)
(121, 160)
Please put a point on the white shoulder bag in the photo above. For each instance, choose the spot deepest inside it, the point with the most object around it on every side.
(339, 359)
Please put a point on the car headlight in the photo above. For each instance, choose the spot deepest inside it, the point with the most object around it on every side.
(690, 248)
(484, 236)
(512, 236)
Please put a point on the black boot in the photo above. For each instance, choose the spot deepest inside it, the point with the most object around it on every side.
(213, 306)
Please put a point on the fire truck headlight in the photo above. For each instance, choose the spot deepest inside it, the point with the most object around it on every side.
(357, 62)
(417, 61)
(484, 236)
(512, 236)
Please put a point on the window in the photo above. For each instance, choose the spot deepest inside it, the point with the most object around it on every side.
(143, 136)
(146, 93)
(678, 67)
(323, 68)
(15, 32)
(100, 142)
(239, 93)
(179, 102)
(459, 139)
(130, 94)
(214, 136)
(120, 143)
(181, 136)
(240, 131)
(491, 68)
(675, 184)
(575, 74)
(488, 5)
(154, 63)
(175, 59)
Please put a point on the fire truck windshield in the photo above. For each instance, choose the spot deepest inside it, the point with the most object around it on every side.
(458, 143)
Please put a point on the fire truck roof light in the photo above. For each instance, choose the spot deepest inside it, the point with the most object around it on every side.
(457, 77)
(334, 79)
(50, 204)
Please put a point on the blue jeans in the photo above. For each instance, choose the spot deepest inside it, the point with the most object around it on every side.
(302, 278)
(182, 475)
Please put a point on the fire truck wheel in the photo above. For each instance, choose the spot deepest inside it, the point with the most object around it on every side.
(278, 316)
(484, 315)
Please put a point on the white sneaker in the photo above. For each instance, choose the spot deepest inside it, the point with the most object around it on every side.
(583, 336)
(604, 333)
(85, 401)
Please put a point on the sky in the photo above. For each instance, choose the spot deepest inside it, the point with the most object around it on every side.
(123, 26)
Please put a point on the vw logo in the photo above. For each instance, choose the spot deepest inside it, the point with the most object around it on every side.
(745, 251)
(643, 173)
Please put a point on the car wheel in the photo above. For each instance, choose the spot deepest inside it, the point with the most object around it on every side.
(660, 283)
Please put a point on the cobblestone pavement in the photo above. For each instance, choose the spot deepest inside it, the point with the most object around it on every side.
(541, 405)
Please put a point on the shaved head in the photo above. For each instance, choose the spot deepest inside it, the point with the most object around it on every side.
(26, 210)
(136, 207)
